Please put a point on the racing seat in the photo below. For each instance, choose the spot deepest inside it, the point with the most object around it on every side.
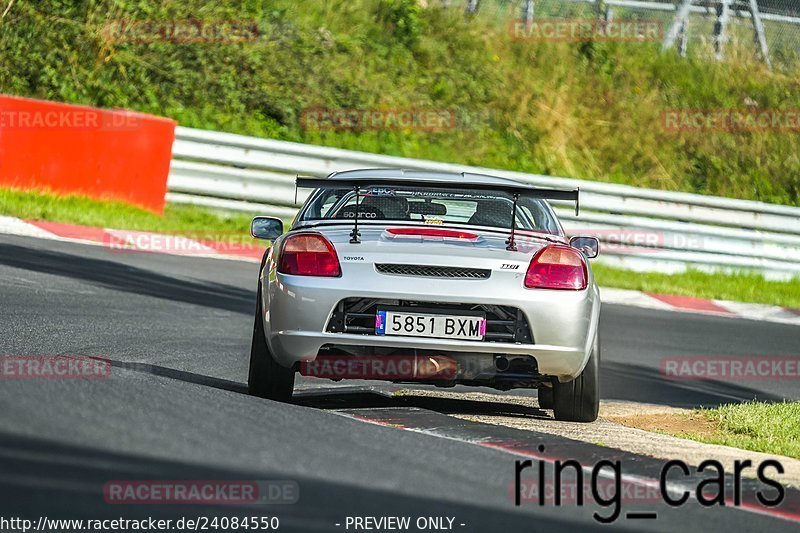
(392, 207)
(494, 213)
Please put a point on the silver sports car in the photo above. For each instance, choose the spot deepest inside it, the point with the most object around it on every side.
(429, 277)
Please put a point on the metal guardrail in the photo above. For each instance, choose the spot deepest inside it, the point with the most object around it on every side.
(701, 9)
(775, 24)
(642, 229)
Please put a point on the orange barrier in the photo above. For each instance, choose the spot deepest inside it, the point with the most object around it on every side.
(120, 155)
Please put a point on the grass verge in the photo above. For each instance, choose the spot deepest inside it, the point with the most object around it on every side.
(757, 426)
(75, 209)
(200, 221)
(741, 287)
(772, 428)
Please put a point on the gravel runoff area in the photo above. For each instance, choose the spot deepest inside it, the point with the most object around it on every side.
(610, 430)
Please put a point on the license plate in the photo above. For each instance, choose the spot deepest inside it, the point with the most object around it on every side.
(430, 325)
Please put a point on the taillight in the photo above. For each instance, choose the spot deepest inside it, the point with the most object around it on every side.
(557, 267)
(308, 254)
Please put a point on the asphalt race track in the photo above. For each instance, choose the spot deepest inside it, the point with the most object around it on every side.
(178, 331)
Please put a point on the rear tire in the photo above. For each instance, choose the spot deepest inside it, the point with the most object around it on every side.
(579, 399)
(267, 379)
(545, 397)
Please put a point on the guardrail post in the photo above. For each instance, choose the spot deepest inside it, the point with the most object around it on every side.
(760, 36)
(527, 11)
(678, 25)
(684, 37)
(720, 25)
(600, 8)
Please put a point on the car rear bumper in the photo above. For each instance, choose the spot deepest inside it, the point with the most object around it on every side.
(297, 310)
(552, 360)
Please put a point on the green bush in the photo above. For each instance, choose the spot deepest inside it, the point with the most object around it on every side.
(586, 110)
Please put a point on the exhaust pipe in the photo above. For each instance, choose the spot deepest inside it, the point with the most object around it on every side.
(501, 363)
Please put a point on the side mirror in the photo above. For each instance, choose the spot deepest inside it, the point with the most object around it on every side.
(590, 246)
(269, 228)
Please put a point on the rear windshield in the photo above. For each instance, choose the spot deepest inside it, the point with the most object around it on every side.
(432, 206)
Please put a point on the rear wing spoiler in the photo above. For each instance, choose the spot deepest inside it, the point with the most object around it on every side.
(528, 190)
(515, 190)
